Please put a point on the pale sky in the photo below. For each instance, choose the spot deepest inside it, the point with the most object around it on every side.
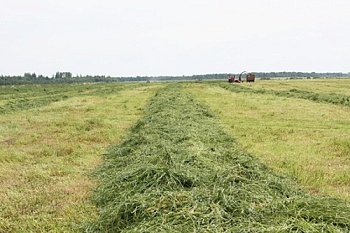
(160, 37)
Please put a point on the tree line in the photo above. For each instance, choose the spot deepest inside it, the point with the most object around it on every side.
(67, 77)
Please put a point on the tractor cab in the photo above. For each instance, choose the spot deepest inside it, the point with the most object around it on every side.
(232, 79)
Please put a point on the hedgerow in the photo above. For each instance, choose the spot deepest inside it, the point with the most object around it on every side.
(179, 171)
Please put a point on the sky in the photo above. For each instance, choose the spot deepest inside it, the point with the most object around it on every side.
(173, 38)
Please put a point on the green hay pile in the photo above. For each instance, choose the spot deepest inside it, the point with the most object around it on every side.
(178, 171)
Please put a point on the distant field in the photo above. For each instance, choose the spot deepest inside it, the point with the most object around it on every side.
(339, 86)
(52, 137)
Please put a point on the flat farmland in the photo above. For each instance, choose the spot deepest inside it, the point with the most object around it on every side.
(306, 139)
(336, 86)
(270, 156)
(51, 138)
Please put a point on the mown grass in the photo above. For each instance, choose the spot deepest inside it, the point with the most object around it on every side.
(319, 95)
(179, 171)
(338, 86)
(19, 98)
(47, 152)
(301, 138)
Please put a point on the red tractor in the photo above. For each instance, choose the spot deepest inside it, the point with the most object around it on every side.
(249, 78)
(232, 79)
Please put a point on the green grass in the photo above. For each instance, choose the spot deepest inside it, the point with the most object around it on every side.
(187, 165)
(339, 86)
(19, 98)
(178, 170)
(47, 152)
(321, 95)
(305, 139)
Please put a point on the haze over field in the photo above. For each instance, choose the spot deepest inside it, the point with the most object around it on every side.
(152, 38)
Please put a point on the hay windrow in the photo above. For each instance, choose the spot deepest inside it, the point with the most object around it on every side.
(178, 171)
(331, 98)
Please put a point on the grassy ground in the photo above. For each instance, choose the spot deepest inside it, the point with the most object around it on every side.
(324, 96)
(339, 86)
(301, 138)
(47, 151)
(180, 163)
(179, 171)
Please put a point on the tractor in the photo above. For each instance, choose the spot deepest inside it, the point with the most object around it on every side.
(249, 78)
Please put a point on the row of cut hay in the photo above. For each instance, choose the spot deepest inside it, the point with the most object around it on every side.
(178, 171)
(333, 98)
(38, 96)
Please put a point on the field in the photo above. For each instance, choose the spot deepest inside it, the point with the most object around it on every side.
(270, 156)
(306, 139)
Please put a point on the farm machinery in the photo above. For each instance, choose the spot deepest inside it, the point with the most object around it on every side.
(248, 78)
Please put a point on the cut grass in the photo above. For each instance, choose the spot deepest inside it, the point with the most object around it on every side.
(320, 97)
(301, 138)
(47, 154)
(179, 171)
(339, 86)
(18, 98)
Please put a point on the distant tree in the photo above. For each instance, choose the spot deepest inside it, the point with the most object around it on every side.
(66, 75)
(27, 75)
(57, 75)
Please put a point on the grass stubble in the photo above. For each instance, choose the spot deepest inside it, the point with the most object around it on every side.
(335, 86)
(178, 170)
(320, 93)
(306, 139)
(48, 150)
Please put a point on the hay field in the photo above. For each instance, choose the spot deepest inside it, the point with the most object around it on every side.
(206, 157)
(51, 138)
